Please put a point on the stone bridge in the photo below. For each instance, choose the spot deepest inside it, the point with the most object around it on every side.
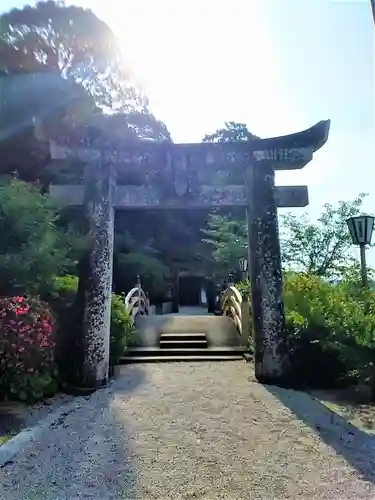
(191, 334)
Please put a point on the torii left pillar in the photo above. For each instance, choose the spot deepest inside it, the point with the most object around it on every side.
(99, 191)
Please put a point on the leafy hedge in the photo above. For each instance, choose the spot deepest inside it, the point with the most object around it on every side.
(27, 365)
(62, 299)
(121, 329)
(331, 330)
(34, 245)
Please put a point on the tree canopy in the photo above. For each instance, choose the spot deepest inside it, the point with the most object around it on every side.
(231, 132)
(320, 247)
(72, 41)
(60, 64)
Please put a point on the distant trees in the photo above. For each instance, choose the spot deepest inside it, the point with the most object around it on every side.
(320, 248)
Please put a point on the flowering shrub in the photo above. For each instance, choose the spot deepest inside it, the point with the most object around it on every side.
(26, 349)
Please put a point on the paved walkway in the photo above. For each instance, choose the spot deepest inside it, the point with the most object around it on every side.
(194, 431)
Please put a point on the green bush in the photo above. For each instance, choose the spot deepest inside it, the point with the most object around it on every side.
(331, 331)
(121, 329)
(62, 298)
(65, 288)
(32, 247)
(27, 365)
(244, 288)
(330, 328)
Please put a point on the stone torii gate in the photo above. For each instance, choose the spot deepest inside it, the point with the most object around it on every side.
(191, 172)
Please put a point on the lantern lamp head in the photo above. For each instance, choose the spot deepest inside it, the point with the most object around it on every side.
(361, 228)
(243, 265)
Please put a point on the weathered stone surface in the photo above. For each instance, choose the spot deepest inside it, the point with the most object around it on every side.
(286, 152)
(154, 154)
(98, 203)
(271, 353)
(291, 196)
(283, 158)
(146, 197)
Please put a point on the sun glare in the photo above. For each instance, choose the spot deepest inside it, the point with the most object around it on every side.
(201, 63)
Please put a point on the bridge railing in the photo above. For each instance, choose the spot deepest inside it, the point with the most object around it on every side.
(231, 301)
(236, 306)
(136, 302)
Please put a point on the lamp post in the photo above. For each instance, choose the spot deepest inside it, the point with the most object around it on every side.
(361, 228)
(243, 267)
(139, 287)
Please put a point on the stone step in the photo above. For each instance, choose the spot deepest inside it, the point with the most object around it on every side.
(178, 336)
(184, 351)
(165, 359)
(182, 343)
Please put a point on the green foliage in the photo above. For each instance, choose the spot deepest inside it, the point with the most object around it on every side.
(244, 288)
(152, 270)
(62, 66)
(62, 299)
(352, 280)
(121, 329)
(231, 132)
(27, 367)
(227, 239)
(65, 287)
(319, 248)
(34, 387)
(32, 248)
(73, 41)
(331, 330)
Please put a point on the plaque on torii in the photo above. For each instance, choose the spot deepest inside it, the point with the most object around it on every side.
(189, 174)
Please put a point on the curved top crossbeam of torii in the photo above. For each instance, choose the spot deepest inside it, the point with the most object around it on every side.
(314, 137)
(286, 152)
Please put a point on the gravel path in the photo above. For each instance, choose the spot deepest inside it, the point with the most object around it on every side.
(15, 416)
(194, 431)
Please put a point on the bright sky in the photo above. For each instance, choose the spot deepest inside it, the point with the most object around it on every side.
(278, 65)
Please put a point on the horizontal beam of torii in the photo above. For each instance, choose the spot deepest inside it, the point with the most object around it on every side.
(149, 197)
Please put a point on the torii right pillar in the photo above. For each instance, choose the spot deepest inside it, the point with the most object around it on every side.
(272, 360)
